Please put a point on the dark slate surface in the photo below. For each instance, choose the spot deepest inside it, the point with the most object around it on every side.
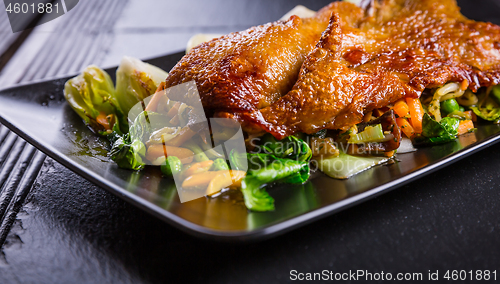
(70, 231)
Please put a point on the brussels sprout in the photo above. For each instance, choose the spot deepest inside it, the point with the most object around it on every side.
(487, 112)
(92, 96)
(136, 80)
(488, 108)
(449, 106)
(172, 166)
(145, 124)
(447, 127)
(451, 125)
(434, 132)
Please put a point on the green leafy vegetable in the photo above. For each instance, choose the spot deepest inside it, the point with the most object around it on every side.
(128, 149)
(450, 124)
(146, 124)
(489, 111)
(290, 147)
(431, 128)
(488, 107)
(256, 197)
(127, 154)
(284, 161)
(299, 177)
(136, 80)
(115, 135)
(434, 132)
(252, 186)
(92, 95)
(447, 127)
(257, 162)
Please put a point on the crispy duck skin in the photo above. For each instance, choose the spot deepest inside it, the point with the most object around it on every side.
(365, 63)
(245, 71)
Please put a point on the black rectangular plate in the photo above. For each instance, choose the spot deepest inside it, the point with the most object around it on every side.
(38, 113)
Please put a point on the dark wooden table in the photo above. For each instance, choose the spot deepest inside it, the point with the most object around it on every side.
(56, 227)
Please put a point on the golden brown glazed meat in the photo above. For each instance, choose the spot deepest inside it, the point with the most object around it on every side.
(362, 64)
(249, 70)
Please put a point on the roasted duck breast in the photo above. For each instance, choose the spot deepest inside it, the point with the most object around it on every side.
(245, 71)
(364, 60)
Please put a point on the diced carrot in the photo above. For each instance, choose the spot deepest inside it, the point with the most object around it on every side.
(401, 108)
(465, 126)
(174, 110)
(405, 127)
(416, 113)
(199, 167)
(464, 85)
(158, 150)
(174, 121)
(389, 154)
(153, 103)
(225, 179)
(199, 179)
(102, 120)
(184, 135)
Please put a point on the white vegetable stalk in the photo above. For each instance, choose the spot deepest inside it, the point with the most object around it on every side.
(406, 146)
(135, 81)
